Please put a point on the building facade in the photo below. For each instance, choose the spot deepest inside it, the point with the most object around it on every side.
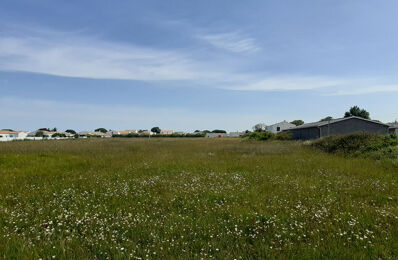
(166, 132)
(7, 135)
(338, 127)
(216, 135)
(279, 127)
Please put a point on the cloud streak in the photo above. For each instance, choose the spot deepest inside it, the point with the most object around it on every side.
(289, 82)
(90, 58)
(364, 90)
(233, 42)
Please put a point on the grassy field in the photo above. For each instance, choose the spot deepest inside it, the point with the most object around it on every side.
(193, 198)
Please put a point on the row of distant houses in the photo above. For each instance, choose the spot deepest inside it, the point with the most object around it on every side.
(220, 135)
(303, 132)
(144, 132)
(10, 135)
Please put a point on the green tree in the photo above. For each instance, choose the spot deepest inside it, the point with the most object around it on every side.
(219, 131)
(155, 129)
(356, 111)
(71, 131)
(297, 122)
(328, 118)
(259, 127)
(263, 136)
(102, 130)
(58, 135)
(39, 134)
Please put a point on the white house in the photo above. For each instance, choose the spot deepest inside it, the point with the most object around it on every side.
(126, 132)
(146, 132)
(22, 135)
(236, 134)
(85, 134)
(44, 135)
(7, 135)
(166, 132)
(279, 127)
(114, 132)
(68, 135)
(216, 135)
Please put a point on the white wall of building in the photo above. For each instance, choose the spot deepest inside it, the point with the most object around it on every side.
(8, 137)
(279, 127)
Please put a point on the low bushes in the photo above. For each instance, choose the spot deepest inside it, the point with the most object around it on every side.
(266, 135)
(283, 136)
(58, 135)
(359, 144)
(262, 136)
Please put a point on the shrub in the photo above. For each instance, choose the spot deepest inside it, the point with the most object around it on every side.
(39, 134)
(71, 131)
(283, 136)
(297, 122)
(101, 129)
(262, 136)
(219, 131)
(58, 135)
(358, 144)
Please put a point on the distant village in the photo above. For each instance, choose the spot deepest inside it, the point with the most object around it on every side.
(297, 129)
(48, 134)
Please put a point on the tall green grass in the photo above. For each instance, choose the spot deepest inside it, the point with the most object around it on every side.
(193, 198)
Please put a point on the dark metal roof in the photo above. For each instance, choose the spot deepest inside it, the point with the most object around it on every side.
(322, 123)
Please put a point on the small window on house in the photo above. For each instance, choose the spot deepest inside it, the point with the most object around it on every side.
(278, 128)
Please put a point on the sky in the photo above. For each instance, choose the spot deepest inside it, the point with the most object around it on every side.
(187, 65)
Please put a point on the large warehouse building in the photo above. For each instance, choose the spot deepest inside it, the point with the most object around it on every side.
(338, 126)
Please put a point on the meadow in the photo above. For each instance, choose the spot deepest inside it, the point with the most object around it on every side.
(193, 199)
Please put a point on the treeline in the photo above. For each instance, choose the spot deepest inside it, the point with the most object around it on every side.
(159, 136)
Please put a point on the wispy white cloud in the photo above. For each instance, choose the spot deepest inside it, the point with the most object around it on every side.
(364, 90)
(326, 86)
(234, 42)
(73, 55)
(290, 82)
(92, 58)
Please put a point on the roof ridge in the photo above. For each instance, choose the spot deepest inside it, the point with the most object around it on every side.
(332, 121)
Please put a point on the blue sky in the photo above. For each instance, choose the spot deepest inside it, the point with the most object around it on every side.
(189, 65)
